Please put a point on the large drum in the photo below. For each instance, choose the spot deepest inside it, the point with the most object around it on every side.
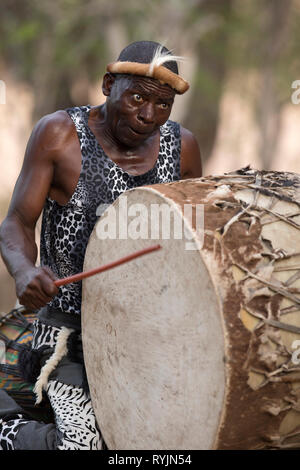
(197, 345)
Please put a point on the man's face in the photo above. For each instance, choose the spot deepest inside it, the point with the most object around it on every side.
(137, 107)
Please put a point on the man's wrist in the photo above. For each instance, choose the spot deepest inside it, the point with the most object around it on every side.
(22, 269)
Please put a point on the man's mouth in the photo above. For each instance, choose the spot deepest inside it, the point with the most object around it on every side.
(139, 131)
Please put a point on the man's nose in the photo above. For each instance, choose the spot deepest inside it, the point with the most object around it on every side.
(146, 113)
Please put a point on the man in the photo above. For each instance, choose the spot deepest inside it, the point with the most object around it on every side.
(76, 160)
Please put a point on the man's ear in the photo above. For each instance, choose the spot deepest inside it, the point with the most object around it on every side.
(108, 81)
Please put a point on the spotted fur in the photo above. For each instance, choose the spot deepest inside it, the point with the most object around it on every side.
(8, 431)
(75, 418)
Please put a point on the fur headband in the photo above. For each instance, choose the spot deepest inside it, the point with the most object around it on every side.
(154, 69)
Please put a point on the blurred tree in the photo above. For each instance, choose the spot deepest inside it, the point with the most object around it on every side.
(60, 47)
(261, 64)
(275, 23)
(55, 44)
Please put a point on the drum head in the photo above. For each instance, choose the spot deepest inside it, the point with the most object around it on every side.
(152, 335)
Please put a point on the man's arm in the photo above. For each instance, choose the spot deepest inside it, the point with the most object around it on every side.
(191, 166)
(34, 285)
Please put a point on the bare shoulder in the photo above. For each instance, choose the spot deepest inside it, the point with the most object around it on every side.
(187, 136)
(191, 165)
(50, 141)
(52, 131)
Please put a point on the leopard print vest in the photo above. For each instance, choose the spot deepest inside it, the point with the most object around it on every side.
(66, 228)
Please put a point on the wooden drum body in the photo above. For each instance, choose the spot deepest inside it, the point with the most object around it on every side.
(195, 346)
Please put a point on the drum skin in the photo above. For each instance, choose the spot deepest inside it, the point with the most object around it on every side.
(195, 348)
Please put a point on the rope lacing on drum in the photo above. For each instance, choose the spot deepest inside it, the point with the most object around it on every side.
(15, 318)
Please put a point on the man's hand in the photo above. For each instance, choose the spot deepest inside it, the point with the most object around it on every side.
(35, 287)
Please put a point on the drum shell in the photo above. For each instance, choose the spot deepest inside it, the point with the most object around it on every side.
(254, 415)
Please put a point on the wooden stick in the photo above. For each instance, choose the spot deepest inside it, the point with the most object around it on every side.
(92, 272)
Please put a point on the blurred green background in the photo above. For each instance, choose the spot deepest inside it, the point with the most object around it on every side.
(242, 57)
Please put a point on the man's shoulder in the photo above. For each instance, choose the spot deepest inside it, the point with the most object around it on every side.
(187, 137)
(58, 121)
(186, 133)
(53, 129)
(190, 155)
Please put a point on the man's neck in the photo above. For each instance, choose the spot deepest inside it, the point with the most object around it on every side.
(134, 160)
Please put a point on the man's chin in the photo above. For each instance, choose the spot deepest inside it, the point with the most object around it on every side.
(132, 139)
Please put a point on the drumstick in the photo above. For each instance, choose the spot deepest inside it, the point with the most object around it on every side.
(105, 267)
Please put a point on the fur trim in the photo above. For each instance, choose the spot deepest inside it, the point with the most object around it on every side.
(160, 73)
(59, 352)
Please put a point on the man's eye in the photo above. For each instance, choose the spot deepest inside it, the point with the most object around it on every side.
(137, 98)
(164, 105)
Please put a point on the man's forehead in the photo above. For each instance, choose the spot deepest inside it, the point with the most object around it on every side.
(150, 86)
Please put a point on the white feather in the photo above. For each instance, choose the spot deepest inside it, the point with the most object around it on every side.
(161, 57)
